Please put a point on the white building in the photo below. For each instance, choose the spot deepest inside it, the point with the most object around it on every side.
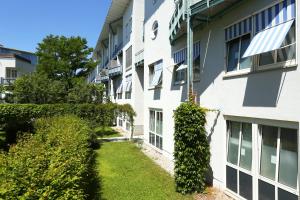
(120, 39)
(245, 56)
(13, 66)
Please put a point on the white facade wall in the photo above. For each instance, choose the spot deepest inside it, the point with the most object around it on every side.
(264, 97)
(21, 66)
(261, 97)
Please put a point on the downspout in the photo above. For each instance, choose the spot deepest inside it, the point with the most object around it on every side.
(189, 51)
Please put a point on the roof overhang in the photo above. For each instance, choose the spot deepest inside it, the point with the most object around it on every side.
(115, 13)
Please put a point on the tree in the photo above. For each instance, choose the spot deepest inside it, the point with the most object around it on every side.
(63, 58)
(38, 88)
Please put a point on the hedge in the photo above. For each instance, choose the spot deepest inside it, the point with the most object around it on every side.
(19, 117)
(191, 151)
(54, 163)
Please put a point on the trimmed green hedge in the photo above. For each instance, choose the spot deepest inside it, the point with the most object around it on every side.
(192, 154)
(103, 114)
(19, 117)
(54, 163)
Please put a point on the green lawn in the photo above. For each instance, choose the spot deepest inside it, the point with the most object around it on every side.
(106, 132)
(126, 173)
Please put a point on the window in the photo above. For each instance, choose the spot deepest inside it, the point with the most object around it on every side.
(286, 52)
(235, 50)
(180, 75)
(155, 74)
(120, 120)
(129, 58)
(239, 158)
(156, 128)
(279, 156)
(11, 73)
(120, 91)
(128, 87)
(154, 31)
(119, 95)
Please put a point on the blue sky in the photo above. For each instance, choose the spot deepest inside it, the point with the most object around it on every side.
(24, 23)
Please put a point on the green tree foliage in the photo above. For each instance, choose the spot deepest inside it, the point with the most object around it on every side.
(53, 164)
(63, 58)
(37, 88)
(192, 154)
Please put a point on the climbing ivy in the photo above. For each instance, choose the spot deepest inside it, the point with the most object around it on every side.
(192, 153)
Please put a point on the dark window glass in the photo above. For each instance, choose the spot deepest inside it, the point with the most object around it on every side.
(233, 55)
(284, 195)
(245, 185)
(266, 191)
(231, 179)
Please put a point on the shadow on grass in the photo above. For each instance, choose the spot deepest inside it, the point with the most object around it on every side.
(106, 132)
(94, 189)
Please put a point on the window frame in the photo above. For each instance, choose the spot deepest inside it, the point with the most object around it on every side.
(276, 64)
(255, 67)
(238, 70)
(154, 132)
(276, 182)
(9, 71)
(128, 65)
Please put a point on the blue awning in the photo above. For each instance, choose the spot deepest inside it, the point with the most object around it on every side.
(269, 39)
(181, 55)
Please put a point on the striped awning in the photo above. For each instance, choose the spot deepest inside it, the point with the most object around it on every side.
(275, 15)
(181, 55)
(268, 40)
(271, 27)
(157, 74)
(120, 89)
(241, 28)
(182, 67)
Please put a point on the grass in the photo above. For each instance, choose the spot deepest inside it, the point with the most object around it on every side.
(126, 173)
(106, 132)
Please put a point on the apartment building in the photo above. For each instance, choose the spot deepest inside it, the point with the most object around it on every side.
(243, 58)
(121, 38)
(14, 63)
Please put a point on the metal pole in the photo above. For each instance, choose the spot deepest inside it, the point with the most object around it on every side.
(189, 51)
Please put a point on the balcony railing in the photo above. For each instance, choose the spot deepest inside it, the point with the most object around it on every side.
(177, 18)
(139, 58)
(7, 81)
(114, 69)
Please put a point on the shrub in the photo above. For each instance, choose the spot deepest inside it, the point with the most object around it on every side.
(19, 117)
(191, 152)
(52, 164)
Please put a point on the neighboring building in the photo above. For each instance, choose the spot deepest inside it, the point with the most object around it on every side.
(245, 67)
(14, 63)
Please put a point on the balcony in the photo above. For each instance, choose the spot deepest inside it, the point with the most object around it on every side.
(7, 81)
(202, 11)
(139, 58)
(178, 18)
(114, 69)
(117, 50)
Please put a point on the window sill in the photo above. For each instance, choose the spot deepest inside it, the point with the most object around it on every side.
(281, 65)
(154, 87)
(263, 68)
(236, 73)
(179, 83)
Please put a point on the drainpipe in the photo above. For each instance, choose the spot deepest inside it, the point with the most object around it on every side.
(189, 51)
